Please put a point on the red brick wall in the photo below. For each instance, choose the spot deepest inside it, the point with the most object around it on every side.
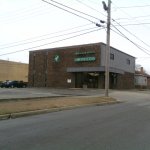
(125, 81)
(37, 69)
(57, 71)
(45, 72)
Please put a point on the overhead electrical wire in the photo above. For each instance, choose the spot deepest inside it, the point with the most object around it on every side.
(131, 21)
(129, 15)
(88, 6)
(71, 11)
(144, 16)
(138, 46)
(93, 2)
(146, 22)
(37, 38)
(31, 48)
(121, 10)
(74, 9)
(64, 38)
(56, 36)
(11, 18)
(136, 24)
(144, 50)
(124, 7)
(120, 33)
(19, 11)
(118, 18)
(131, 33)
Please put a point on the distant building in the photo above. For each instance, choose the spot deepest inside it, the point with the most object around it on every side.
(142, 79)
(80, 66)
(10, 70)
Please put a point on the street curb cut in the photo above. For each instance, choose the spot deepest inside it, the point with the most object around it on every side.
(43, 111)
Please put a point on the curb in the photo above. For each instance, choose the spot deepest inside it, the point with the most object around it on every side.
(43, 111)
(28, 98)
(4, 117)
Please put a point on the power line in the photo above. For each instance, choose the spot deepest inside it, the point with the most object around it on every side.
(145, 21)
(144, 16)
(20, 42)
(123, 35)
(134, 6)
(127, 14)
(74, 9)
(48, 38)
(122, 10)
(135, 24)
(94, 2)
(138, 46)
(50, 42)
(30, 13)
(20, 11)
(71, 11)
(131, 33)
(22, 15)
(138, 18)
(88, 6)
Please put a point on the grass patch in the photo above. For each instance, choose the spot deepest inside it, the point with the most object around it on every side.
(49, 103)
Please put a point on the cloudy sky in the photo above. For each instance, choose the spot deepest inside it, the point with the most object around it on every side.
(34, 24)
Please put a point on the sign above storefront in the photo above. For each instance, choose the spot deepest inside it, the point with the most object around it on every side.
(84, 53)
(85, 56)
(84, 59)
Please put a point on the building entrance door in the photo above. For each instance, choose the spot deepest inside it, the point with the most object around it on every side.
(84, 79)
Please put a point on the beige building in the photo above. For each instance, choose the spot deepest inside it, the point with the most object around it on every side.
(10, 70)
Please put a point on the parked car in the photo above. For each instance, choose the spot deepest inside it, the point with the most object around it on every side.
(13, 84)
(3, 84)
(22, 84)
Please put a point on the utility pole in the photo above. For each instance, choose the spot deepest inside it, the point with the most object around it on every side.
(107, 51)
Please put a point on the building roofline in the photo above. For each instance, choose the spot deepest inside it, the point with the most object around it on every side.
(67, 47)
(73, 46)
(119, 50)
(144, 75)
(15, 62)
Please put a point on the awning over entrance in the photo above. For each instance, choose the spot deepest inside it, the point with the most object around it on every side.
(93, 69)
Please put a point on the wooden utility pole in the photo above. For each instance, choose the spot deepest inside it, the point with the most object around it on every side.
(107, 52)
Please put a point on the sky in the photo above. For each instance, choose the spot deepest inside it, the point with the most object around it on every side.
(27, 25)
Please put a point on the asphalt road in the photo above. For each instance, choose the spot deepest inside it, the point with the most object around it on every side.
(123, 126)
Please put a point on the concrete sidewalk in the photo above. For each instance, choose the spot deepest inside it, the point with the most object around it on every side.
(17, 93)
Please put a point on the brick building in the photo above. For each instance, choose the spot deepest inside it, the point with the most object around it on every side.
(80, 66)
